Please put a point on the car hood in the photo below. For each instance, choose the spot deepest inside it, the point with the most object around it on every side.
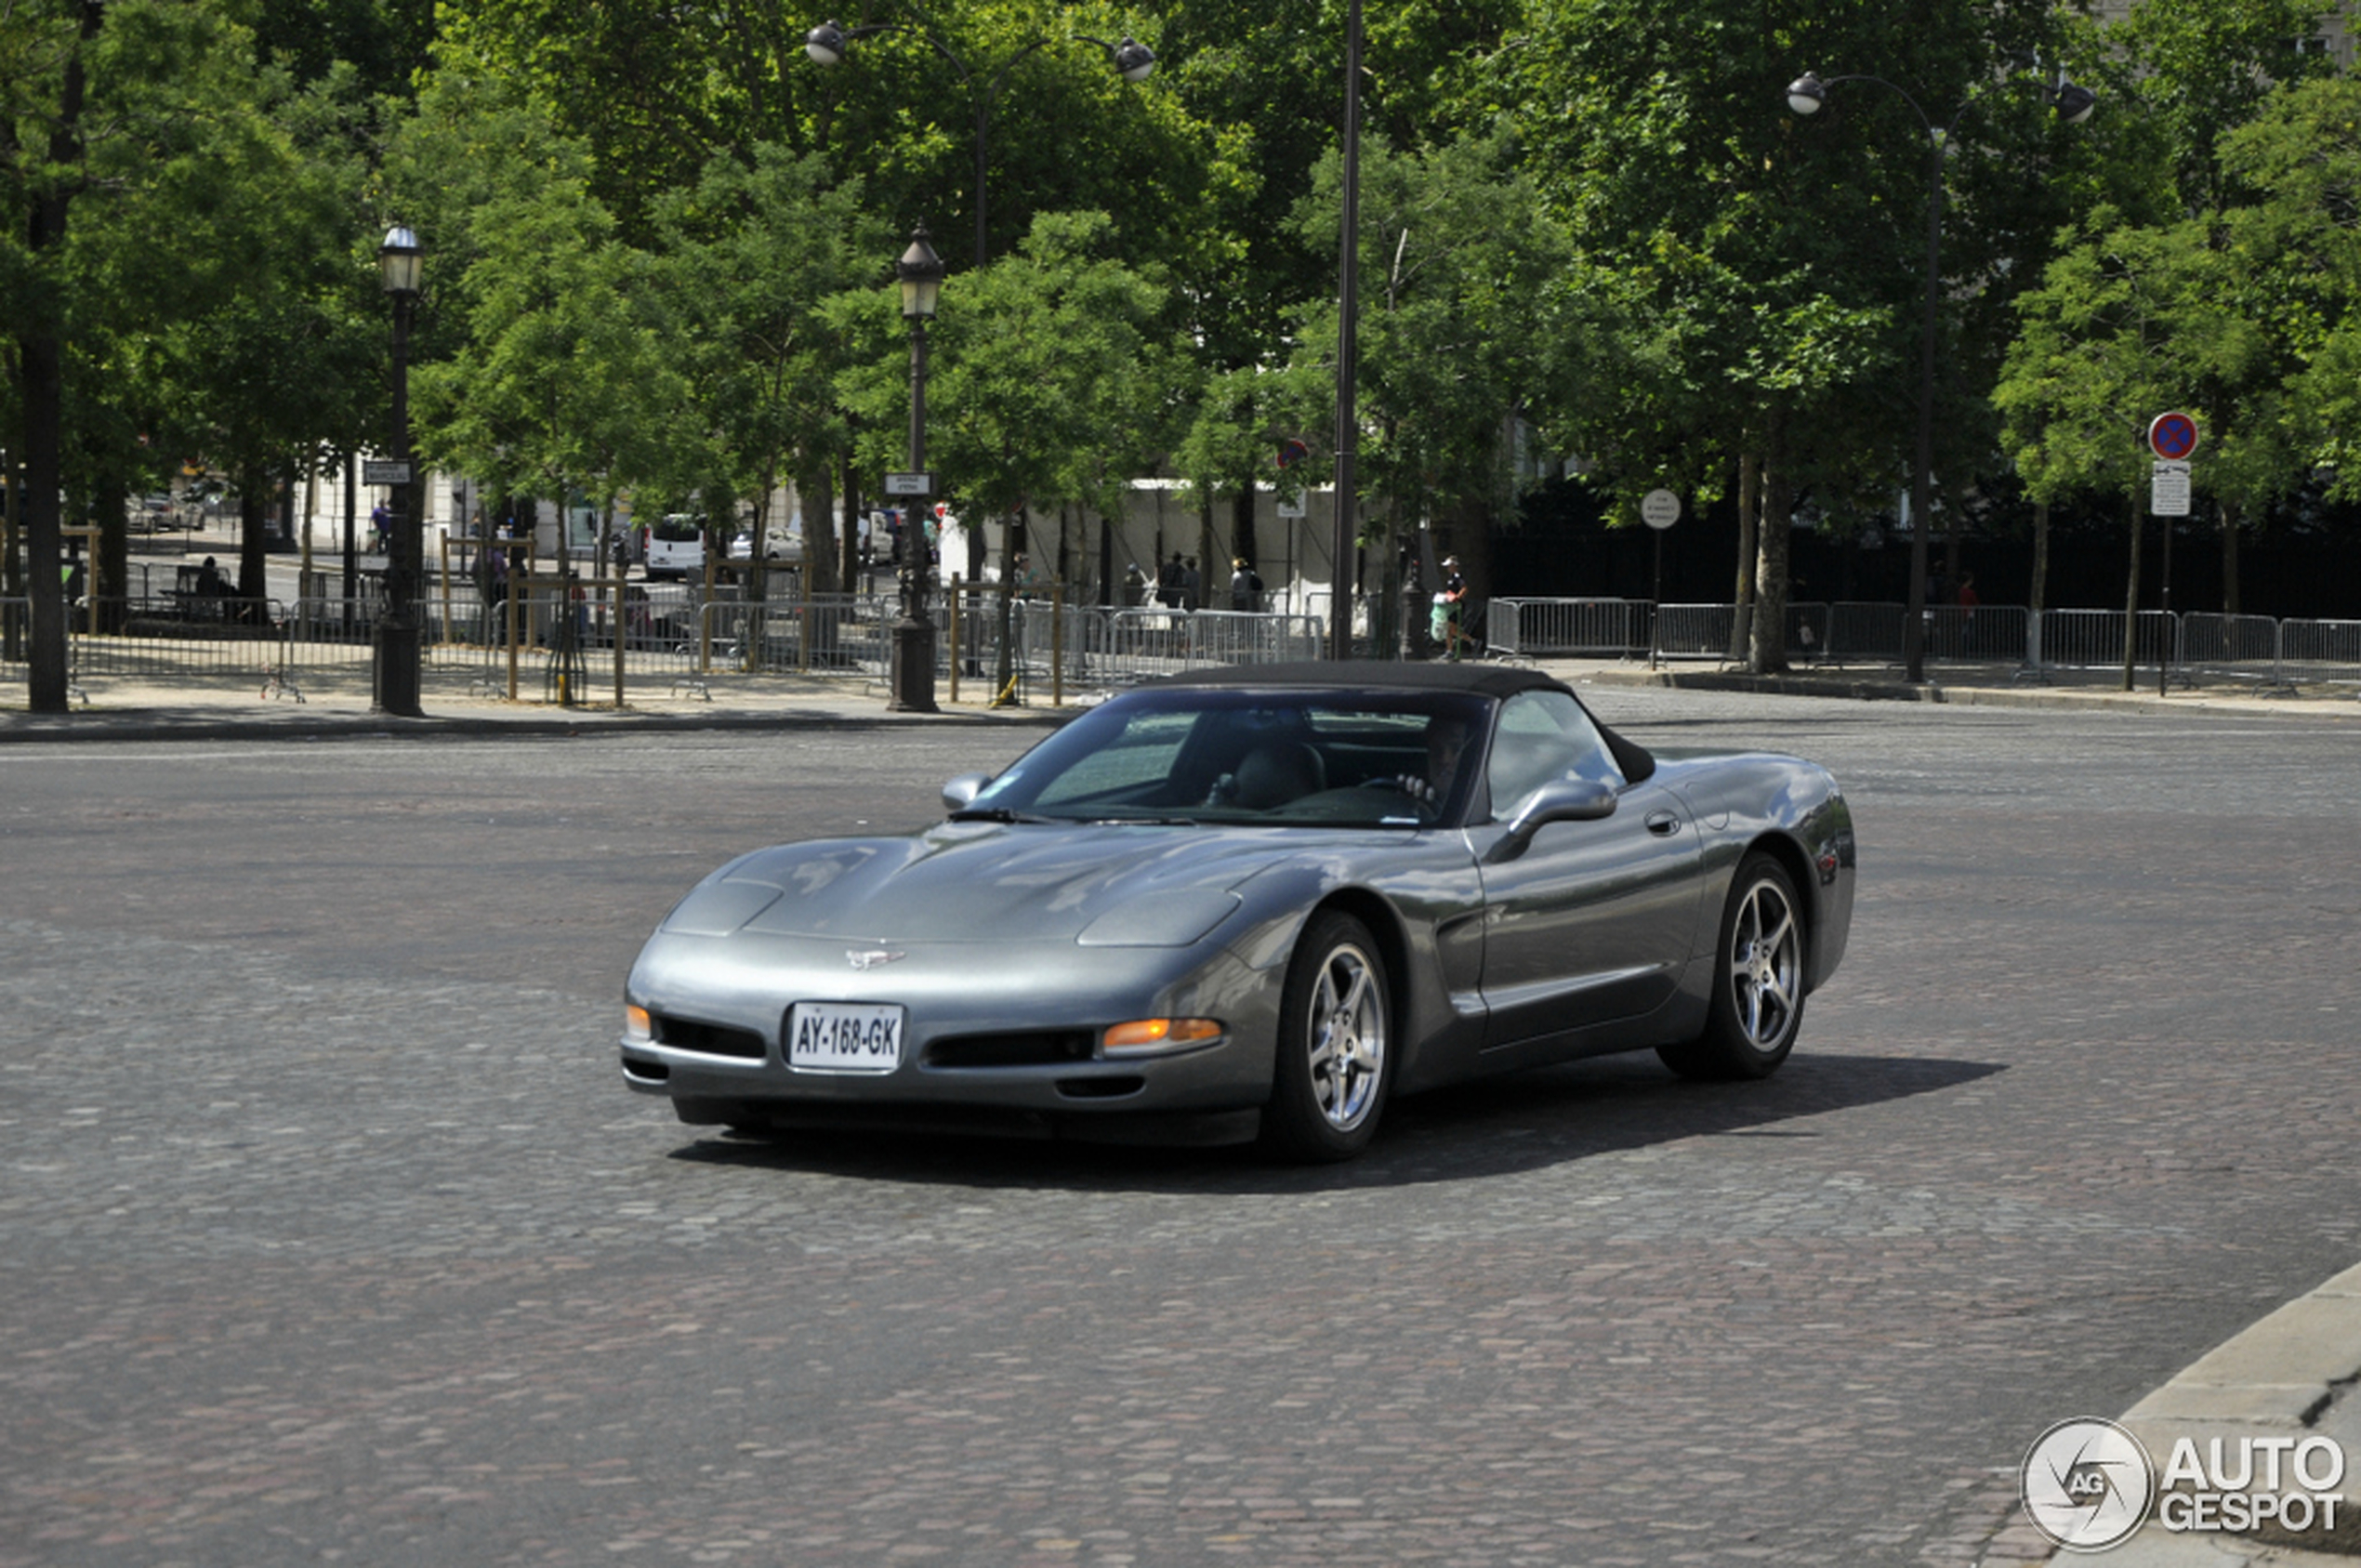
(1101, 884)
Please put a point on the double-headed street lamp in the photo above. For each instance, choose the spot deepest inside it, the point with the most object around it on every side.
(1808, 94)
(912, 678)
(828, 43)
(397, 640)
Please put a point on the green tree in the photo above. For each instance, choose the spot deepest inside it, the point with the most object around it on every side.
(561, 386)
(752, 256)
(121, 121)
(1046, 371)
(1456, 254)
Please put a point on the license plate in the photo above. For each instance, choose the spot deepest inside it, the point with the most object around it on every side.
(844, 1038)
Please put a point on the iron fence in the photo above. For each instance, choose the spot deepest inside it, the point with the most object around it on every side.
(548, 640)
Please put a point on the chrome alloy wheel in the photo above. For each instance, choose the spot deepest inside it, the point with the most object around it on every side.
(1766, 966)
(1348, 1038)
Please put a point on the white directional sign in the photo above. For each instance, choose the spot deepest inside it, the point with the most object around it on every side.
(384, 470)
(2168, 489)
(1660, 509)
(909, 484)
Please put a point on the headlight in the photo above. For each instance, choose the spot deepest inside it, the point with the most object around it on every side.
(1146, 1037)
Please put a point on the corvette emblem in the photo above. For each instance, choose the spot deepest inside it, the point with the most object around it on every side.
(871, 959)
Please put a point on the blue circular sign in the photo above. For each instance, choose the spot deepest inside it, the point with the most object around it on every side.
(2173, 436)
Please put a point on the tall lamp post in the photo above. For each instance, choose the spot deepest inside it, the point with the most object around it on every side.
(1807, 95)
(920, 271)
(397, 640)
(828, 43)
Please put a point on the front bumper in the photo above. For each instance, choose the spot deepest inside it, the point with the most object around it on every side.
(992, 1031)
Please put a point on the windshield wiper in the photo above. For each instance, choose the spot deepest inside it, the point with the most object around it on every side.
(995, 815)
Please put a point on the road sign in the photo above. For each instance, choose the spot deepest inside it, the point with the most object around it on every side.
(1292, 509)
(385, 470)
(910, 484)
(2168, 489)
(1660, 509)
(2172, 437)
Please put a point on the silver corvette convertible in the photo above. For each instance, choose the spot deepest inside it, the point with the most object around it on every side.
(1257, 904)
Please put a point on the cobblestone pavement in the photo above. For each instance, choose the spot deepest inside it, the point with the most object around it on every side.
(330, 1235)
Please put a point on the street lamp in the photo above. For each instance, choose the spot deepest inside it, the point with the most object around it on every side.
(912, 681)
(397, 640)
(1807, 95)
(829, 44)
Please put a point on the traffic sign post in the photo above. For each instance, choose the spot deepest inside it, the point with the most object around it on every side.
(1659, 509)
(2171, 437)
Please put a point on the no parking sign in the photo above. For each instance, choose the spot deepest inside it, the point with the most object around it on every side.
(2173, 436)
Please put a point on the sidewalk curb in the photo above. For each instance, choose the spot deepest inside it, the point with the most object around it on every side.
(1887, 689)
(2279, 1376)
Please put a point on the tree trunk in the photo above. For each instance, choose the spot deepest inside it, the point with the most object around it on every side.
(2132, 595)
(1242, 540)
(849, 531)
(41, 339)
(2229, 558)
(1749, 514)
(254, 504)
(11, 560)
(1769, 644)
(1209, 551)
(110, 571)
(2040, 593)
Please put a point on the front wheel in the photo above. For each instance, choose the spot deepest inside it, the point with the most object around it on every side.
(1335, 1057)
(1758, 980)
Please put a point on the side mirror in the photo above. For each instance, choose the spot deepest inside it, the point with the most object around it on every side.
(1559, 801)
(961, 792)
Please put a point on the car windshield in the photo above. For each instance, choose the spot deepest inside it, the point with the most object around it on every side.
(1304, 758)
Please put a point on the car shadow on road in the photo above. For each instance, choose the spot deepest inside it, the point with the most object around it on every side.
(1522, 1121)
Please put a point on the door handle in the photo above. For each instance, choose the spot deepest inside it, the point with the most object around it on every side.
(1663, 824)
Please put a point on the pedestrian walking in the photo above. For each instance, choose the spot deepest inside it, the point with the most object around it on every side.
(1245, 586)
(1443, 622)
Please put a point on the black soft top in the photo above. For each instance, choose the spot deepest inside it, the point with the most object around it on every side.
(1498, 681)
(1372, 675)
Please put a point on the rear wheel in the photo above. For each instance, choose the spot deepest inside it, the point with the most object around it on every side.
(1758, 980)
(1335, 1056)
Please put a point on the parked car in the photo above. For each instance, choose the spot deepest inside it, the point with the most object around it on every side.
(675, 546)
(1258, 902)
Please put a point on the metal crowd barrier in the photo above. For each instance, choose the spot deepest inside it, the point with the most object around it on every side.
(2319, 653)
(2091, 642)
(1559, 627)
(175, 635)
(2230, 648)
(1695, 631)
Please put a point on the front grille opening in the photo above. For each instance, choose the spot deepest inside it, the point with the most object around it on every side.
(1031, 1048)
(709, 1039)
(1102, 1088)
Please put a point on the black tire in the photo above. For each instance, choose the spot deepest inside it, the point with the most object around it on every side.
(1335, 1052)
(1757, 980)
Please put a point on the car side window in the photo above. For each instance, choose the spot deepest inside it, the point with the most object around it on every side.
(1541, 736)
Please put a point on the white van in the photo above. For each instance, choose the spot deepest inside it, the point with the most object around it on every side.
(675, 547)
